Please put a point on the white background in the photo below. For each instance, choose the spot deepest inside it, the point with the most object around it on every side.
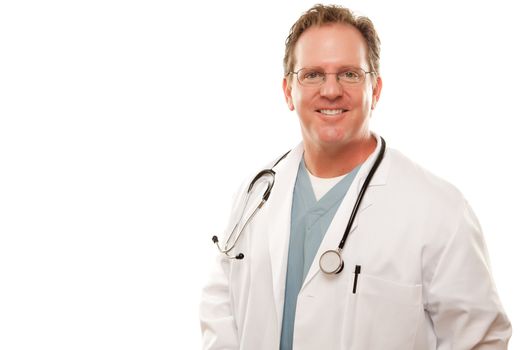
(126, 127)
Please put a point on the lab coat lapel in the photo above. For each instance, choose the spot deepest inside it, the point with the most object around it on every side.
(279, 216)
(336, 229)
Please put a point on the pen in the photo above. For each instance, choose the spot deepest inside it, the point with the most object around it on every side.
(356, 275)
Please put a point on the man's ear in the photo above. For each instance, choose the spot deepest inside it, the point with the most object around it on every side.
(287, 89)
(376, 93)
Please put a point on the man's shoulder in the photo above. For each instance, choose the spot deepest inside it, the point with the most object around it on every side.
(278, 161)
(286, 156)
(412, 178)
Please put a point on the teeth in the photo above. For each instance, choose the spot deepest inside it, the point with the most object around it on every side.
(331, 111)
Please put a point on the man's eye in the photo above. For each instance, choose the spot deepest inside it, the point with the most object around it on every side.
(350, 75)
(312, 75)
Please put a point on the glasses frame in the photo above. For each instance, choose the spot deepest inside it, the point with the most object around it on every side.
(336, 74)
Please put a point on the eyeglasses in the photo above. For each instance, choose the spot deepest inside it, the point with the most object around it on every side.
(316, 77)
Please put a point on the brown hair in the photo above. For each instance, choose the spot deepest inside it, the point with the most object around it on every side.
(324, 14)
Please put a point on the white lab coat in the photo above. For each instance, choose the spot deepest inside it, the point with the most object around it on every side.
(425, 279)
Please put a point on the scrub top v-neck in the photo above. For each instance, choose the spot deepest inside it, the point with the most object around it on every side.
(310, 219)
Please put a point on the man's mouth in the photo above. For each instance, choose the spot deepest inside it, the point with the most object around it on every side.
(331, 111)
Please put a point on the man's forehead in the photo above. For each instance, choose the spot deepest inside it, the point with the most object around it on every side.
(333, 44)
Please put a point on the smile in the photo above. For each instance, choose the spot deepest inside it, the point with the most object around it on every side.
(331, 111)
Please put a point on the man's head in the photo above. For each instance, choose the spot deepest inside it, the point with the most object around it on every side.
(332, 80)
(329, 14)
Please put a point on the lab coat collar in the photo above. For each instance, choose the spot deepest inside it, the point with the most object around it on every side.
(279, 216)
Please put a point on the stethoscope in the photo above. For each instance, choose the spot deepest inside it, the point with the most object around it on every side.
(331, 262)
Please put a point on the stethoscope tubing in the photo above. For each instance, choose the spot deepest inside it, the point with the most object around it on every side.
(266, 172)
(362, 193)
(327, 259)
(271, 174)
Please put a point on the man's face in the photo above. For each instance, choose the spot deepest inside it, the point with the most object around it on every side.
(333, 114)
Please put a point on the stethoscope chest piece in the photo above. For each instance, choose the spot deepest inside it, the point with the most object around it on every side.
(331, 262)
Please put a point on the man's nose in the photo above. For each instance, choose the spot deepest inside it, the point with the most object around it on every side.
(331, 87)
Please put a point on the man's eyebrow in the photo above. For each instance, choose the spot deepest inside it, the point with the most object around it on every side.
(340, 69)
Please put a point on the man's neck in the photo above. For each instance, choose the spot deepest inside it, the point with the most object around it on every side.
(333, 162)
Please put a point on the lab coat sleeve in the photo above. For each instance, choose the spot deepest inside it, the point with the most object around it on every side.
(462, 300)
(218, 326)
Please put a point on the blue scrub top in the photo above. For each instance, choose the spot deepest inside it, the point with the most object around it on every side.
(310, 220)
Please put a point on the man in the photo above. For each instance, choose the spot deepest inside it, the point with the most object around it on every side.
(415, 273)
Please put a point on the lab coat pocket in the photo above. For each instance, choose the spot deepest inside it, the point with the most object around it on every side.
(387, 314)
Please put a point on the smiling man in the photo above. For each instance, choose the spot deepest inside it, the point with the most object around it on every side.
(334, 92)
(353, 246)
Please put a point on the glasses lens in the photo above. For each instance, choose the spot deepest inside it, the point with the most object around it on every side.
(310, 76)
(352, 76)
